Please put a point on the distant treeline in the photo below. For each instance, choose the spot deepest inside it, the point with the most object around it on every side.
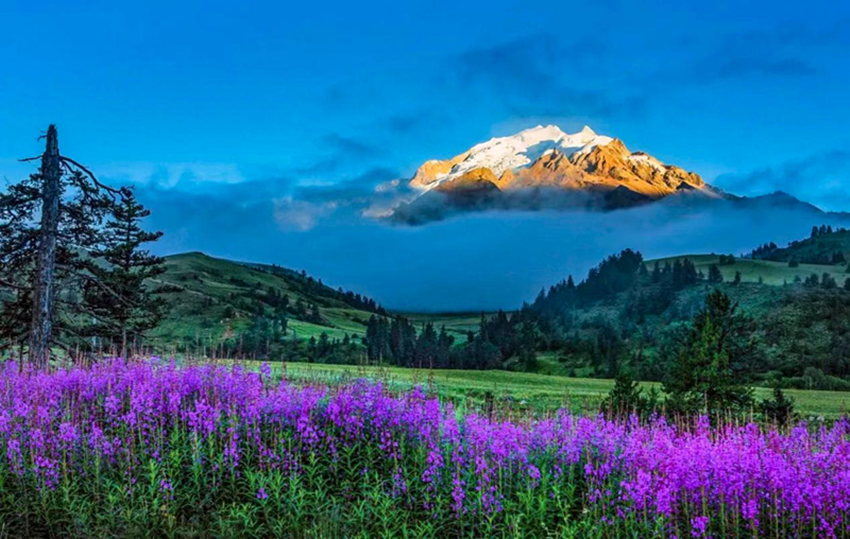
(825, 246)
(309, 286)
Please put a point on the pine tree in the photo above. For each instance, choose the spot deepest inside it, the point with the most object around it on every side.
(714, 274)
(528, 345)
(711, 362)
(656, 273)
(779, 409)
(625, 397)
(122, 302)
(444, 349)
(48, 223)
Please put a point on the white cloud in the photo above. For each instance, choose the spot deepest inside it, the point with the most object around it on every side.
(387, 187)
(292, 213)
(170, 175)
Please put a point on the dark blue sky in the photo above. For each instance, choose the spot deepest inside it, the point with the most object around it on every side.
(284, 115)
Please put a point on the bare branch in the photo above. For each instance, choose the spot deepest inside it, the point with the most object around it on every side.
(91, 175)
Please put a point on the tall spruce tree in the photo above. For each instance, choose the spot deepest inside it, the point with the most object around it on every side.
(48, 224)
(120, 298)
(710, 369)
(714, 274)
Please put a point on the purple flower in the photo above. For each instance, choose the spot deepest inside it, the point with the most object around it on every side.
(266, 370)
(122, 419)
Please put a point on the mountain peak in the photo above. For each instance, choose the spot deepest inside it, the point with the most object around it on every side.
(508, 154)
(543, 165)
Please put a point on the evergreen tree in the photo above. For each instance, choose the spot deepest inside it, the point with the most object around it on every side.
(120, 299)
(323, 347)
(656, 272)
(779, 409)
(711, 362)
(47, 224)
(608, 351)
(312, 351)
(625, 397)
(426, 347)
(828, 282)
(714, 274)
(528, 345)
(444, 349)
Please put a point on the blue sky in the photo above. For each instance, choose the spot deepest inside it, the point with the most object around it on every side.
(294, 110)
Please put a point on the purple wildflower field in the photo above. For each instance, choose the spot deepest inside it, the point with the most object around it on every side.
(154, 447)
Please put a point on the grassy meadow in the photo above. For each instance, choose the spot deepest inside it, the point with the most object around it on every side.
(537, 392)
(770, 272)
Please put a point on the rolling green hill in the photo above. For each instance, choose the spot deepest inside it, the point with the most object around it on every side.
(230, 309)
(771, 272)
(457, 324)
(210, 299)
(823, 247)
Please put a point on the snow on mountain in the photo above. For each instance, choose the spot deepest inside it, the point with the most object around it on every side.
(508, 153)
(546, 168)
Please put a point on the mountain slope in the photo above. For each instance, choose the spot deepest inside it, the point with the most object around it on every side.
(824, 246)
(767, 272)
(544, 167)
(212, 299)
(507, 153)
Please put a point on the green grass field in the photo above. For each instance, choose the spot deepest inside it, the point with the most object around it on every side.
(457, 324)
(773, 273)
(537, 392)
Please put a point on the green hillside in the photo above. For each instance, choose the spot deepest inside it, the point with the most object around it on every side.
(769, 271)
(619, 316)
(457, 324)
(824, 246)
(212, 299)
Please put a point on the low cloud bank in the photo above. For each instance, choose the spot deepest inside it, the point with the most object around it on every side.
(473, 262)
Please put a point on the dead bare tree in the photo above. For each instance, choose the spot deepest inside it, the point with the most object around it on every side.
(41, 329)
(48, 223)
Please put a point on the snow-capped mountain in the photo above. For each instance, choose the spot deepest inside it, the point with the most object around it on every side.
(547, 156)
(507, 153)
(544, 167)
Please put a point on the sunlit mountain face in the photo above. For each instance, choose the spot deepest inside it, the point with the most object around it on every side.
(545, 168)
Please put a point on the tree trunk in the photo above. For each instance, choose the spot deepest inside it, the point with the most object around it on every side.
(41, 330)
